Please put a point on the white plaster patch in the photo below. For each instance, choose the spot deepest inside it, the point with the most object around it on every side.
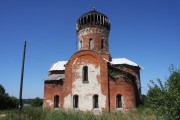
(67, 101)
(85, 91)
(50, 102)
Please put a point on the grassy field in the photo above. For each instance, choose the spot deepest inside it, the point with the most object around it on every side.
(31, 113)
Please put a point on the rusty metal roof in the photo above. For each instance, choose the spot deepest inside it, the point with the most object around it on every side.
(93, 18)
(55, 77)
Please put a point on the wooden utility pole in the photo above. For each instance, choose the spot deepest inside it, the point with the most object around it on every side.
(22, 75)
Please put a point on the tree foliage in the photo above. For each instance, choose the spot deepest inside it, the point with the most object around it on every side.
(2, 90)
(37, 102)
(6, 101)
(165, 97)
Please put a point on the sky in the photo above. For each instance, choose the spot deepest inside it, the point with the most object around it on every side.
(146, 32)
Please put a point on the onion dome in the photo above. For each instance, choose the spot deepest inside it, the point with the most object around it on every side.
(91, 19)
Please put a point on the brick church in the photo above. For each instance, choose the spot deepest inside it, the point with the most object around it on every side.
(91, 80)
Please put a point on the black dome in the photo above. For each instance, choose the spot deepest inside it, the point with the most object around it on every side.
(92, 18)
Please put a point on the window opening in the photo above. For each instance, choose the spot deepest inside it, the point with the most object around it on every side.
(90, 43)
(85, 74)
(102, 44)
(98, 22)
(95, 18)
(75, 101)
(56, 101)
(92, 18)
(88, 18)
(82, 21)
(95, 101)
(85, 20)
(119, 101)
(80, 45)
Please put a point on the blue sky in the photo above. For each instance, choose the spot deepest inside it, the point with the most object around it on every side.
(144, 31)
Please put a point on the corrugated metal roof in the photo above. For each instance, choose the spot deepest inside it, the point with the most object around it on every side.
(60, 64)
(117, 61)
(55, 77)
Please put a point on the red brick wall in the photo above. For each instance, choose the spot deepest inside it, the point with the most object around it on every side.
(96, 34)
(125, 88)
(122, 86)
(50, 90)
(134, 70)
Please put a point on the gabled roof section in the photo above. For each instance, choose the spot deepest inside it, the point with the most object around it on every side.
(116, 61)
(55, 77)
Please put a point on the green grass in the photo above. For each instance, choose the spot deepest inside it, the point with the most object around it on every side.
(31, 113)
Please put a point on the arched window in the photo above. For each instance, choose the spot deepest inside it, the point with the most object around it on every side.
(75, 101)
(102, 43)
(80, 45)
(85, 74)
(98, 22)
(119, 101)
(88, 18)
(56, 101)
(92, 18)
(81, 21)
(85, 20)
(95, 18)
(95, 101)
(90, 43)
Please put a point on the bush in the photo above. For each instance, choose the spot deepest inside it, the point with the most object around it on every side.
(165, 98)
(7, 102)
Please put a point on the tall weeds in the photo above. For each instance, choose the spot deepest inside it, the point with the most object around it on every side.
(31, 113)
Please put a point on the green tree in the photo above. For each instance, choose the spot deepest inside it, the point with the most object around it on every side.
(2, 90)
(6, 101)
(37, 102)
(165, 97)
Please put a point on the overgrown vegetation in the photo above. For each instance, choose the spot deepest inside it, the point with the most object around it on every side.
(165, 97)
(30, 113)
(37, 102)
(161, 103)
(114, 74)
(7, 102)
